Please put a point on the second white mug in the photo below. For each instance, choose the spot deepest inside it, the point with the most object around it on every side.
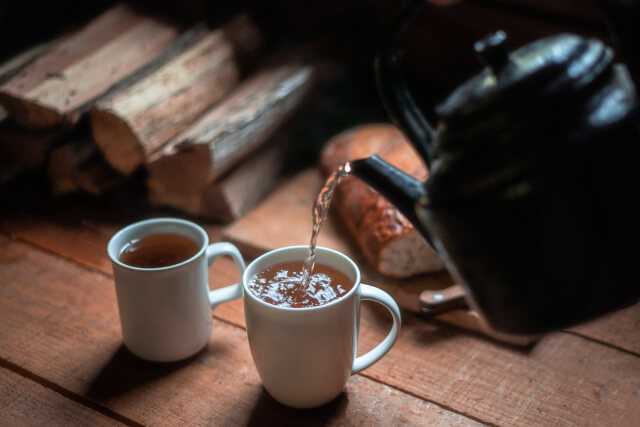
(165, 312)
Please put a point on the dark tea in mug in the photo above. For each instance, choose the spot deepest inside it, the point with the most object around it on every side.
(158, 250)
(281, 285)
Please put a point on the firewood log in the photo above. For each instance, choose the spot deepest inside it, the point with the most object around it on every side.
(136, 120)
(217, 141)
(61, 83)
(13, 65)
(234, 194)
(77, 165)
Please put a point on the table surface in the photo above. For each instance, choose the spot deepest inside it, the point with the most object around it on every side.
(62, 361)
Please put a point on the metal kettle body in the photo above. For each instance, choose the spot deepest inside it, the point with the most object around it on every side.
(542, 229)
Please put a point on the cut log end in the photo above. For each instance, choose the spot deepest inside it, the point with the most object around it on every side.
(29, 114)
(107, 127)
(186, 170)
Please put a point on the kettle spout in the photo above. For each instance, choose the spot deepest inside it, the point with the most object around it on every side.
(402, 190)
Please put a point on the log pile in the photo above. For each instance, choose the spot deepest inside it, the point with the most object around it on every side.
(194, 107)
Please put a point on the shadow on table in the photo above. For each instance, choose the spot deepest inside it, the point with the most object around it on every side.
(125, 372)
(267, 411)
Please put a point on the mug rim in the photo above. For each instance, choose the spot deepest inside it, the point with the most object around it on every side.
(248, 293)
(115, 257)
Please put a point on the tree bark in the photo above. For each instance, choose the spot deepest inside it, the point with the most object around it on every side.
(134, 121)
(62, 82)
(192, 160)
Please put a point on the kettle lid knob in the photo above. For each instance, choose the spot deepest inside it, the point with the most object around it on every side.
(493, 50)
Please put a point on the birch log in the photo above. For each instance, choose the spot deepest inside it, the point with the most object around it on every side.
(77, 165)
(61, 83)
(234, 194)
(136, 120)
(191, 161)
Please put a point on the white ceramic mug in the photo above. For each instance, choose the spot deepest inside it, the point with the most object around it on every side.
(165, 312)
(304, 356)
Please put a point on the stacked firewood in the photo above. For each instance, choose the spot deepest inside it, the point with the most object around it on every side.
(131, 91)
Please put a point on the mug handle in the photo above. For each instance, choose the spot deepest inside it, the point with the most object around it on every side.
(371, 293)
(231, 292)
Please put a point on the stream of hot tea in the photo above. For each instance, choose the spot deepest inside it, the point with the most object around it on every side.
(320, 212)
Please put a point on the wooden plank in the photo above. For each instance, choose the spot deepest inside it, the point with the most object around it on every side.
(84, 241)
(257, 232)
(25, 402)
(562, 379)
(137, 119)
(227, 133)
(77, 239)
(79, 349)
(619, 328)
(61, 82)
(439, 364)
(284, 219)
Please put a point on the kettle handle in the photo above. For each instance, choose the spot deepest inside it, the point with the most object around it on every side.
(623, 18)
(393, 89)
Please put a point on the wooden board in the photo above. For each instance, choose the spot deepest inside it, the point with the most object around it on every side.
(257, 233)
(563, 377)
(60, 322)
(291, 204)
(284, 219)
(25, 402)
(622, 328)
(67, 232)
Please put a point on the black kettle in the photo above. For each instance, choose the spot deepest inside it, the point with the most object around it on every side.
(534, 175)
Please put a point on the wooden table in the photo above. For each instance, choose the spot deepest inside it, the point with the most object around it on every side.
(62, 361)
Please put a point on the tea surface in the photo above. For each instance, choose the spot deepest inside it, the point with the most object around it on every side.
(282, 285)
(158, 250)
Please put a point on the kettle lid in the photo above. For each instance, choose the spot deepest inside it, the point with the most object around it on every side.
(556, 67)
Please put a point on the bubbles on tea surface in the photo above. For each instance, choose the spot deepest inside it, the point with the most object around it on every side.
(282, 286)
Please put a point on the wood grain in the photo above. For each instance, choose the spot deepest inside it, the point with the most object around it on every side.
(620, 328)
(562, 377)
(258, 232)
(60, 322)
(139, 118)
(227, 133)
(269, 226)
(85, 242)
(62, 81)
(25, 402)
